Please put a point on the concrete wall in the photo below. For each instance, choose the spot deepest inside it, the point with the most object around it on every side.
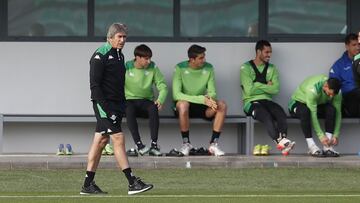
(53, 78)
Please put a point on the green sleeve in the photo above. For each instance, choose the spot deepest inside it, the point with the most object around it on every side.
(160, 84)
(211, 87)
(312, 105)
(275, 87)
(356, 57)
(337, 104)
(177, 90)
(250, 88)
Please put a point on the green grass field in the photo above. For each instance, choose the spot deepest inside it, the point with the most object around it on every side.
(270, 185)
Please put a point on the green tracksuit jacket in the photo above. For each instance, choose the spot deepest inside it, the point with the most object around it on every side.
(310, 92)
(252, 91)
(192, 85)
(139, 82)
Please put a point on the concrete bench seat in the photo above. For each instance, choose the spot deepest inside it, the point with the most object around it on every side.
(242, 123)
(245, 124)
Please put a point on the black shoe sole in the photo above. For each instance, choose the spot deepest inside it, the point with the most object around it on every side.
(318, 156)
(155, 155)
(140, 191)
(332, 155)
(85, 193)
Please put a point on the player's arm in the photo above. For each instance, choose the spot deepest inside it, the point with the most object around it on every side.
(96, 77)
(311, 103)
(211, 86)
(273, 85)
(249, 87)
(337, 104)
(161, 86)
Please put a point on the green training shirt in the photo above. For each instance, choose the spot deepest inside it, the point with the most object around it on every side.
(252, 91)
(356, 70)
(191, 84)
(357, 57)
(310, 92)
(139, 82)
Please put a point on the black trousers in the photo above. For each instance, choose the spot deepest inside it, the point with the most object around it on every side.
(301, 111)
(351, 103)
(142, 108)
(272, 115)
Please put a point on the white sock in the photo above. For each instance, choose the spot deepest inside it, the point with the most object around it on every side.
(327, 148)
(329, 135)
(310, 142)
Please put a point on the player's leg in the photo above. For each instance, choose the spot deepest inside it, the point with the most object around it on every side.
(136, 185)
(301, 111)
(329, 112)
(152, 113)
(278, 114)
(131, 112)
(218, 122)
(182, 111)
(99, 142)
(94, 156)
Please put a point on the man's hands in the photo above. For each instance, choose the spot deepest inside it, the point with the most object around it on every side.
(325, 141)
(329, 142)
(210, 103)
(334, 141)
(158, 104)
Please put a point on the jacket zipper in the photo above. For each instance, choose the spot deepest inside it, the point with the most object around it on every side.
(117, 50)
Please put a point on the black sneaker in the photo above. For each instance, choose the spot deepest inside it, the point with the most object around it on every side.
(132, 152)
(155, 151)
(175, 153)
(318, 154)
(93, 189)
(331, 153)
(139, 187)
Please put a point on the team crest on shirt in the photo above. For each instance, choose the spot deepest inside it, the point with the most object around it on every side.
(146, 73)
(110, 57)
(131, 74)
(97, 57)
(313, 90)
(204, 72)
(186, 72)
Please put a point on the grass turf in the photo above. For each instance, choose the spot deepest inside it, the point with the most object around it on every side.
(188, 185)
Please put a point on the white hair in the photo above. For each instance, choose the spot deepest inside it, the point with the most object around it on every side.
(116, 28)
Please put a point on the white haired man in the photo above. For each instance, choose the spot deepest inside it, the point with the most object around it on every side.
(107, 79)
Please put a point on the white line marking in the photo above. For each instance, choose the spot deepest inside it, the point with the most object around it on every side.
(177, 196)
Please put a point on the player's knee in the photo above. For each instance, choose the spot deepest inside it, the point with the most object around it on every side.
(222, 106)
(118, 139)
(182, 107)
(103, 141)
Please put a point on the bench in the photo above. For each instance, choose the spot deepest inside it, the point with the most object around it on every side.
(242, 122)
(245, 125)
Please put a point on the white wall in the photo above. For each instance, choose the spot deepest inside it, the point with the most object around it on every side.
(53, 78)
